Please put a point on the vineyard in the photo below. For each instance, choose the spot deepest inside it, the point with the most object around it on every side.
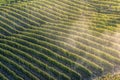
(59, 39)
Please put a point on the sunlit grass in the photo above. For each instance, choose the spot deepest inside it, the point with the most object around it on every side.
(110, 77)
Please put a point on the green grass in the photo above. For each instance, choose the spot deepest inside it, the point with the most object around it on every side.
(110, 77)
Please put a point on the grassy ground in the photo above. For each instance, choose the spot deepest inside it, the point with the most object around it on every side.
(110, 77)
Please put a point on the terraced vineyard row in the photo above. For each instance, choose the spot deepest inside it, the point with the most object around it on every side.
(59, 40)
(9, 2)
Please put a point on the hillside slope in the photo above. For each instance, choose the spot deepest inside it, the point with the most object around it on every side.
(59, 39)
